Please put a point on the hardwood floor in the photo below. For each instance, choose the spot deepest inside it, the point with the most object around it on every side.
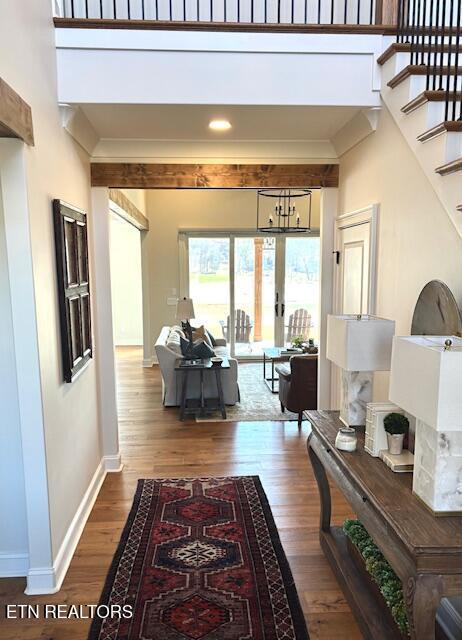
(155, 444)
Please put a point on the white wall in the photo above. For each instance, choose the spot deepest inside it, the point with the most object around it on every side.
(56, 168)
(126, 282)
(109, 66)
(13, 530)
(416, 240)
(172, 210)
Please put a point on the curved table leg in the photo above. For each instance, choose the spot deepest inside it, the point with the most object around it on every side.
(323, 486)
(423, 595)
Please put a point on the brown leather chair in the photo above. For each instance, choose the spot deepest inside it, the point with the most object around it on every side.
(298, 384)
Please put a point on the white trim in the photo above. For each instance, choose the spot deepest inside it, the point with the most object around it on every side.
(367, 215)
(14, 565)
(128, 342)
(113, 464)
(49, 580)
(148, 362)
(13, 184)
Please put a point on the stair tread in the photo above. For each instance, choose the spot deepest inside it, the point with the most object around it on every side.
(450, 167)
(419, 70)
(442, 127)
(435, 95)
(405, 47)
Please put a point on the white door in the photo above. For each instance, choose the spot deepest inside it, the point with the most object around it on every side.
(355, 272)
(354, 268)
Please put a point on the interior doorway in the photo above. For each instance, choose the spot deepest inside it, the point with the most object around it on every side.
(126, 281)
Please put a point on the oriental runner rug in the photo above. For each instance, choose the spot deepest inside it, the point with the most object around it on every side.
(201, 559)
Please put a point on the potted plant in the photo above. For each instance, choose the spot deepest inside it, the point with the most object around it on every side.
(297, 342)
(396, 426)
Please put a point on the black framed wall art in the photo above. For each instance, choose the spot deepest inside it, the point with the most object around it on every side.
(71, 243)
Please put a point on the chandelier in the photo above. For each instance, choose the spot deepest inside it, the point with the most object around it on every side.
(284, 210)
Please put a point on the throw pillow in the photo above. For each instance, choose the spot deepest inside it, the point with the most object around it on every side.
(200, 349)
(213, 342)
(201, 334)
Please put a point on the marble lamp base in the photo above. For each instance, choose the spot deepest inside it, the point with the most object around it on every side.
(437, 477)
(356, 392)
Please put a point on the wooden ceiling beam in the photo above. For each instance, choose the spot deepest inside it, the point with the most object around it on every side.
(15, 115)
(212, 176)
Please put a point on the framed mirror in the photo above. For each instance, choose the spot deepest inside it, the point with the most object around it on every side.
(436, 312)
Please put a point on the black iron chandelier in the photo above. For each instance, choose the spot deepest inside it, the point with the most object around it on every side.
(284, 210)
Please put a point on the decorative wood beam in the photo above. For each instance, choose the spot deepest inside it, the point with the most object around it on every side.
(15, 115)
(212, 176)
(169, 25)
(127, 210)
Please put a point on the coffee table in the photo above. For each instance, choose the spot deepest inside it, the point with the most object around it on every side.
(201, 406)
(275, 354)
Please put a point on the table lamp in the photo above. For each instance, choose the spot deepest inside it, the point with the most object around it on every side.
(359, 345)
(426, 372)
(185, 313)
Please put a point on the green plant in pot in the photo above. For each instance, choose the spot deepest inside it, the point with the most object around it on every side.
(396, 426)
(297, 342)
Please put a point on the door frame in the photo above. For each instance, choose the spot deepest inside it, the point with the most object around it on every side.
(367, 215)
(232, 234)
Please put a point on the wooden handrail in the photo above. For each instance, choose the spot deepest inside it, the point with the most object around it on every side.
(167, 25)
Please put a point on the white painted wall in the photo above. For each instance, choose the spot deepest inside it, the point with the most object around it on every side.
(56, 168)
(126, 282)
(109, 66)
(13, 531)
(416, 240)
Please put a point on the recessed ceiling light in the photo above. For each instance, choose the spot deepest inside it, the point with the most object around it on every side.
(220, 125)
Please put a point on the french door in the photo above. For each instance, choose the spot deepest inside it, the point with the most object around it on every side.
(256, 291)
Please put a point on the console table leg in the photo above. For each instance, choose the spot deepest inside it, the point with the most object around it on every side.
(323, 487)
(423, 595)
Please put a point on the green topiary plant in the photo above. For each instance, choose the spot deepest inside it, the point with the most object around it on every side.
(396, 423)
(297, 342)
(381, 572)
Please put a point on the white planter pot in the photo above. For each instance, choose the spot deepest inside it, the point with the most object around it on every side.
(395, 443)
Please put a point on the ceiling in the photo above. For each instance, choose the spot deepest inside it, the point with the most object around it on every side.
(190, 122)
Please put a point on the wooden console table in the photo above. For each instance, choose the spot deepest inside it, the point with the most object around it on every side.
(424, 551)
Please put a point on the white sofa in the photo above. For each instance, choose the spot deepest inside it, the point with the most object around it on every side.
(168, 350)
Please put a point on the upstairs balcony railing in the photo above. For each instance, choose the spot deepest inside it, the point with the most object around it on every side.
(432, 31)
(237, 13)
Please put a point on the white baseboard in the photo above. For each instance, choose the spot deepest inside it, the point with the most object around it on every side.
(49, 579)
(113, 464)
(14, 565)
(147, 362)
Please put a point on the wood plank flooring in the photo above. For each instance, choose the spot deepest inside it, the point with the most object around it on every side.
(155, 444)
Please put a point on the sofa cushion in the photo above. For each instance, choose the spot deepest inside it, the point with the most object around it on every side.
(173, 341)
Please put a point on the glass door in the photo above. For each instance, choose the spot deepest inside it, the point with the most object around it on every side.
(209, 283)
(300, 311)
(256, 292)
(254, 295)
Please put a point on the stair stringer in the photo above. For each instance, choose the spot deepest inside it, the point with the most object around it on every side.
(429, 154)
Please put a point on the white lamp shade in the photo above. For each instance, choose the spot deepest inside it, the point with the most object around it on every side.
(360, 344)
(185, 309)
(426, 380)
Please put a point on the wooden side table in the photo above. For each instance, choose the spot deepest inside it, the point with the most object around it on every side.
(425, 551)
(202, 405)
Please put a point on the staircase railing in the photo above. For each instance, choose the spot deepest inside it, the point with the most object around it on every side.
(433, 31)
(258, 12)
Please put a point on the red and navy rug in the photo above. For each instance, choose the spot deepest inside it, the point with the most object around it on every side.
(201, 559)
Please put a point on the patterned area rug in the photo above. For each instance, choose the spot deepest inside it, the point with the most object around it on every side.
(257, 401)
(201, 559)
